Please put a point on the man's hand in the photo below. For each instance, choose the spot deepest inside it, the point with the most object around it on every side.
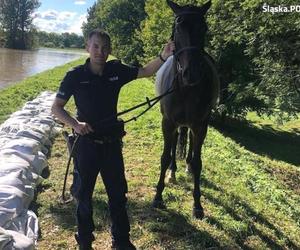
(168, 50)
(83, 128)
(155, 64)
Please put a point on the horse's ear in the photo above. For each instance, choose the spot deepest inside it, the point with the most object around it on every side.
(205, 7)
(175, 7)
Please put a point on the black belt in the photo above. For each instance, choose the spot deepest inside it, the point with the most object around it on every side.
(103, 139)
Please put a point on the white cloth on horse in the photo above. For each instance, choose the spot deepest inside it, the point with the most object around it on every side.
(164, 77)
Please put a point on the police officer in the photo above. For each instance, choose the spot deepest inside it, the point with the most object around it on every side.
(95, 87)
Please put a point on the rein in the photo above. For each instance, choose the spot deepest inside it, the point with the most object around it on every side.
(149, 102)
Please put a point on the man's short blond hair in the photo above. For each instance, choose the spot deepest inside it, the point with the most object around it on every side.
(101, 34)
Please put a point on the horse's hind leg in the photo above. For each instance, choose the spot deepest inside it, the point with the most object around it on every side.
(173, 165)
(196, 164)
(190, 154)
(168, 133)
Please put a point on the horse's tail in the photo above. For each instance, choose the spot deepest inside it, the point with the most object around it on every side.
(182, 142)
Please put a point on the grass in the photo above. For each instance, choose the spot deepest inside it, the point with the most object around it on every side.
(250, 183)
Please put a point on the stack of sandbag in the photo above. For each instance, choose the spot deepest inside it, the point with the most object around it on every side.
(25, 140)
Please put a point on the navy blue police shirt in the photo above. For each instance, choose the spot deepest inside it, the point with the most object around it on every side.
(96, 97)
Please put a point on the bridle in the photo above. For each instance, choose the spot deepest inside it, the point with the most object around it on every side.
(178, 52)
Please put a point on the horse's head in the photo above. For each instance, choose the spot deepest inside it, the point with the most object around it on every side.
(189, 33)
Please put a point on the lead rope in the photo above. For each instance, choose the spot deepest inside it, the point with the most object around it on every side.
(149, 102)
(64, 199)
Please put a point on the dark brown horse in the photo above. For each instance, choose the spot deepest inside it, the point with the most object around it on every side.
(195, 84)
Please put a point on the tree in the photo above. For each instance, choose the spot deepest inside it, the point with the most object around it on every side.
(121, 18)
(93, 20)
(257, 53)
(16, 18)
(156, 28)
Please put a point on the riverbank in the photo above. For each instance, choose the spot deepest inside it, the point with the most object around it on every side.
(250, 183)
(16, 65)
(76, 50)
(13, 97)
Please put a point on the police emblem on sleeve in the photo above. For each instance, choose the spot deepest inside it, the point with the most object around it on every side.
(113, 78)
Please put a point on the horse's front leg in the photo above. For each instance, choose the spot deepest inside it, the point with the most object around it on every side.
(168, 132)
(196, 165)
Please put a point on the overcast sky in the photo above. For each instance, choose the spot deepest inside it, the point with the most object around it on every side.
(62, 15)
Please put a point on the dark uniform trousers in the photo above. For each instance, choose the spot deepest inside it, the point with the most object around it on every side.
(92, 158)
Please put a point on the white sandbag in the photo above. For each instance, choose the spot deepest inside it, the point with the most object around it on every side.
(24, 145)
(25, 139)
(6, 240)
(26, 224)
(38, 161)
(9, 164)
(25, 113)
(15, 179)
(12, 203)
(18, 241)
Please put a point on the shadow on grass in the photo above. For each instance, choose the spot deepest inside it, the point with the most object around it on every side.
(279, 145)
(172, 230)
(254, 221)
(65, 214)
(167, 227)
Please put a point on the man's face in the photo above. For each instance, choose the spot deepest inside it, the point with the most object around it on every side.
(99, 50)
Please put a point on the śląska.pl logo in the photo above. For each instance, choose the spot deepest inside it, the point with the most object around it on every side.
(280, 8)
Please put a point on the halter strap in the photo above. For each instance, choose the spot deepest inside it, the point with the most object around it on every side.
(187, 13)
(186, 48)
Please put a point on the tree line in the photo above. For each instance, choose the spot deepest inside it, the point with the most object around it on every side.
(256, 52)
(16, 29)
(18, 32)
(55, 40)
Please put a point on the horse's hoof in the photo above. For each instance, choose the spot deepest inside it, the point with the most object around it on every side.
(158, 204)
(198, 213)
(171, 178)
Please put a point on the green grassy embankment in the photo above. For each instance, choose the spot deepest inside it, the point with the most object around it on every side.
(250, 183)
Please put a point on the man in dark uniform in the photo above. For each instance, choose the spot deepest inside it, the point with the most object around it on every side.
(95, 87)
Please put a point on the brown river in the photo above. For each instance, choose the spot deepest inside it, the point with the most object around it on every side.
(15, 65)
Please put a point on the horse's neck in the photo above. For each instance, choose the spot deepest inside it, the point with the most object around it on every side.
(208, 63)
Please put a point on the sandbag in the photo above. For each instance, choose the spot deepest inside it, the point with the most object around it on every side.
(25, 140)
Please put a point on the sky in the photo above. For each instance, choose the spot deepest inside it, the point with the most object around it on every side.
(62, 15)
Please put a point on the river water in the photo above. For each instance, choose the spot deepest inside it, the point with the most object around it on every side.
(15, 65)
